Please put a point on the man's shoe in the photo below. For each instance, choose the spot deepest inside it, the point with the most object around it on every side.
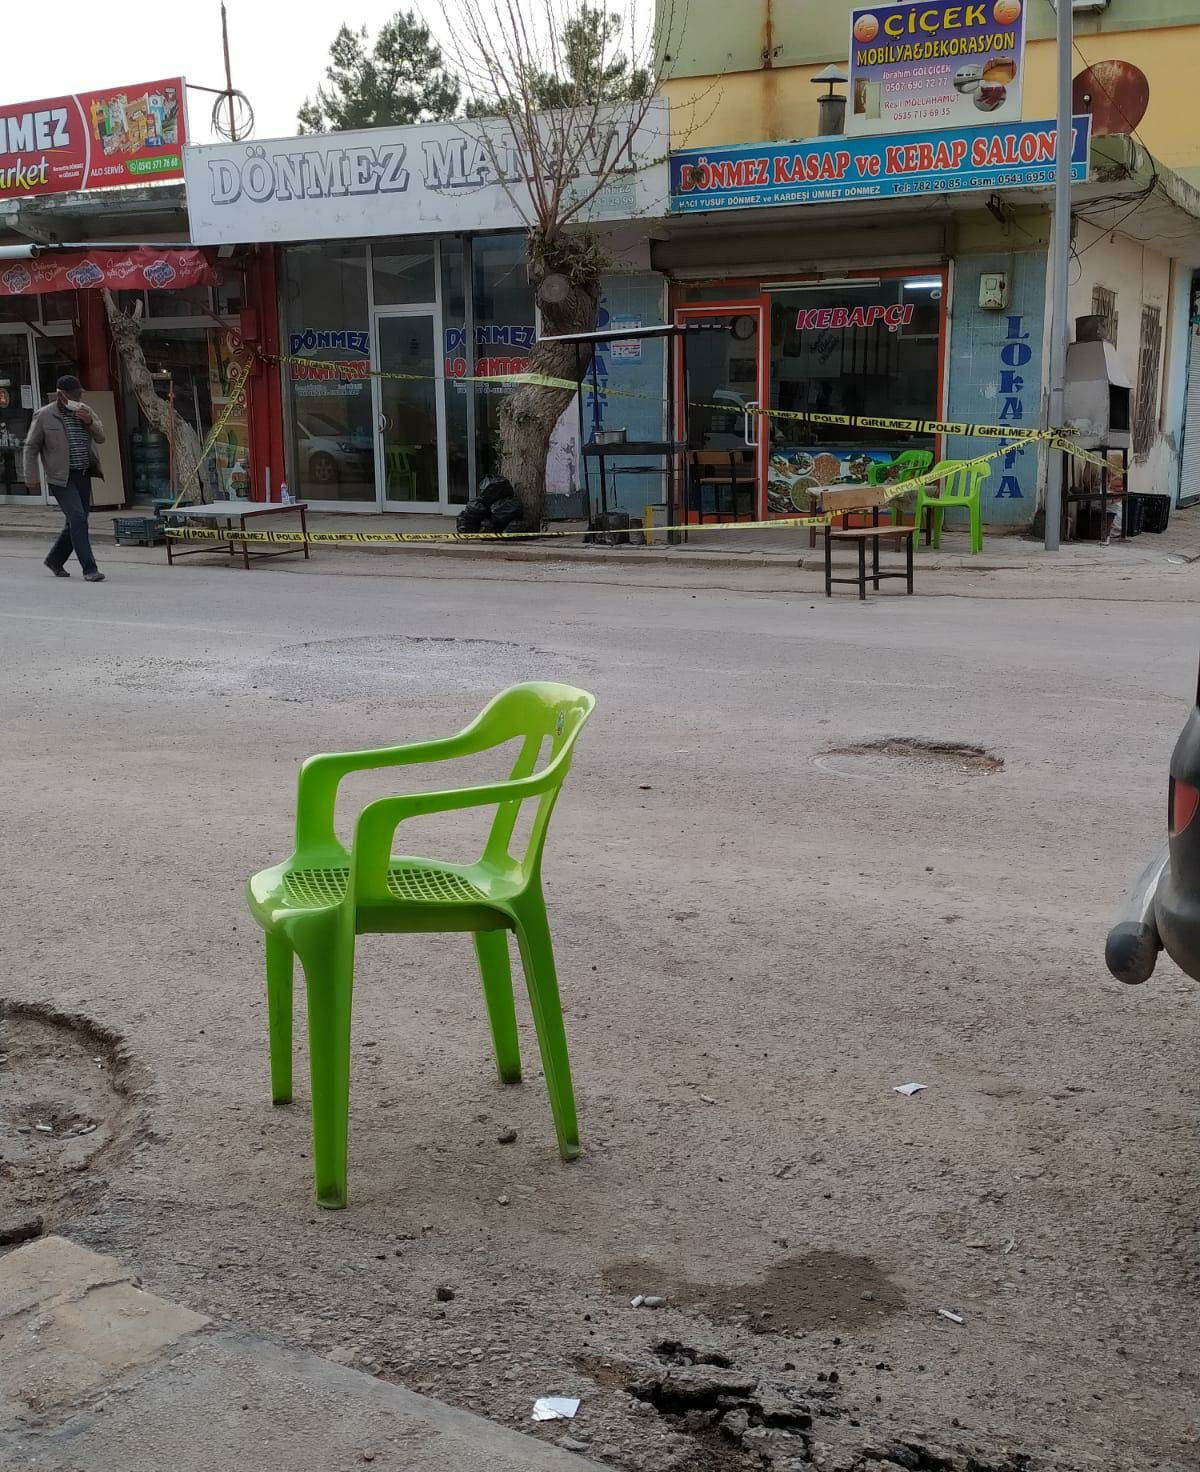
(93, 577)
(59, 572)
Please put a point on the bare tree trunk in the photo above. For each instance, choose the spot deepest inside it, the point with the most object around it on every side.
(190, 476)
(567, 283)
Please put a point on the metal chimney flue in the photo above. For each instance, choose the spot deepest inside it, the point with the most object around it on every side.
(832, 106)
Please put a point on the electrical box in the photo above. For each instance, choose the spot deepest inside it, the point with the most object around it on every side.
(993, 291)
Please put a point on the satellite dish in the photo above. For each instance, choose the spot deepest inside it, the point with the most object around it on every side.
(1116, 93)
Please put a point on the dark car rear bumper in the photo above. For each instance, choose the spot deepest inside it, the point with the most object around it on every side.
(1134, 942)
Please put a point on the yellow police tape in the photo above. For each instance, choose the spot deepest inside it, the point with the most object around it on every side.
(887, 494)
(1058, 438)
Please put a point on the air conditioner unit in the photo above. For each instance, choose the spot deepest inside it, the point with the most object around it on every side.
(1092, 6)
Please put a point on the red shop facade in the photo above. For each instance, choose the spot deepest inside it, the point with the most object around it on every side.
(203, 314)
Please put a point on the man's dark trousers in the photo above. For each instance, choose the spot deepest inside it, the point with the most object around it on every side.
(75, 501)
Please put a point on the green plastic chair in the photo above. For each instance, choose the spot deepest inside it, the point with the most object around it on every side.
(401, 466)
(906, 464)
(316, 902)
(961, 484)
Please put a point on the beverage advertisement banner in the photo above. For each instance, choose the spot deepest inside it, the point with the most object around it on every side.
(92, 140)
(831, 170)
(424, 179)
(137, 269)
(934, 65)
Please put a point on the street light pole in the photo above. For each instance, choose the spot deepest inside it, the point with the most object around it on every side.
(1060, 256)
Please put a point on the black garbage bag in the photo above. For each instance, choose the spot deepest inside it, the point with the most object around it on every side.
(472, 517)
(505, 512)
(495, 488)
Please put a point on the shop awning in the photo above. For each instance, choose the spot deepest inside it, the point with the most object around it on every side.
(33, 269)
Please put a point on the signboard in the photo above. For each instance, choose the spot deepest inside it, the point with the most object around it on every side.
(934, 65)
(838, 319)
(425, 179)
(122, 270)
(92, 140)
(832, 170)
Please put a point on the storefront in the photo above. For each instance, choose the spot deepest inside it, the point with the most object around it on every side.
(860, 278)
(427, 314)
(403, 293)
(869, 344)
(188, 340)
(133, 242)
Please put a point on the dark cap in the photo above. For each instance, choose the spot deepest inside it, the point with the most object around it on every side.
(69, 384)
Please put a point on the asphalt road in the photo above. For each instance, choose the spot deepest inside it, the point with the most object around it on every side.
(762, 929)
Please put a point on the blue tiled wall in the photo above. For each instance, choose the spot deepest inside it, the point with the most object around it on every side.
(996, 375)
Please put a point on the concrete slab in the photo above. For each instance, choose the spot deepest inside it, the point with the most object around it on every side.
(100, 1376)
(71, 1320)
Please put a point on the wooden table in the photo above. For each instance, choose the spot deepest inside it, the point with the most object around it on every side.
(239, 511)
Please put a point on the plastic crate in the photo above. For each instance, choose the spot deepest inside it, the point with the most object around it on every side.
(1156, 512)
(138, 531)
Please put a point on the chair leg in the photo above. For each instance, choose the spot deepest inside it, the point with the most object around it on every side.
(537, 954)
(976, 527)
(491, 947)
(939, 515)
(329, 978)
(279, 1016)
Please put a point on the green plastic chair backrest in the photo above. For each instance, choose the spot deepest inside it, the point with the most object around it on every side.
(915, 460)
(546, 718)
(957, 480)
(905, 465)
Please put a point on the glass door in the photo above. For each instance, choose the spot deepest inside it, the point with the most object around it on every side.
(720, 373)
(18, 400)
(410, 442)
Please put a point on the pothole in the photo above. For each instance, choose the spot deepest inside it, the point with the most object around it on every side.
(66, 1107)
(386, 666)
(893, 756)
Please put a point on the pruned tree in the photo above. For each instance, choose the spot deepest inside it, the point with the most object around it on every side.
(126, 328)
(398, 78)
(572, 85)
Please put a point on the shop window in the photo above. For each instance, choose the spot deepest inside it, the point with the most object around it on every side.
(402, 272)
(196, 361)
(191, 301)
(504, 334)
(1145, 414)
(227, 294)
(58, 306)
(330, 423)
(869, 349)
(18, 309)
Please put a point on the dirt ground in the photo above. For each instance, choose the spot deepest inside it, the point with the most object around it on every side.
(779, 890)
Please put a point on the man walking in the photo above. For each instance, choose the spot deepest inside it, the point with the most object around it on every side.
(63, 435)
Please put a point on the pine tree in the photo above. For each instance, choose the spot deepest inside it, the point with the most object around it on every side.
(401, 78)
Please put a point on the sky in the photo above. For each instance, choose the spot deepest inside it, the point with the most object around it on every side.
(278, 48)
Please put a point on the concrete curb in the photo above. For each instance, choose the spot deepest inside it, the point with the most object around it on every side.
(97, 1375)
(810, 561)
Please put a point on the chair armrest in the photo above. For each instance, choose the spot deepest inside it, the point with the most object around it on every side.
(378, 821)
(320, 776)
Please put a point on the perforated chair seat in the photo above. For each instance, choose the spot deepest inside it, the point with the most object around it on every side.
(319, 888)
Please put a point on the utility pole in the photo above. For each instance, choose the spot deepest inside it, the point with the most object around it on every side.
(1061, 255)
(228, 74)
